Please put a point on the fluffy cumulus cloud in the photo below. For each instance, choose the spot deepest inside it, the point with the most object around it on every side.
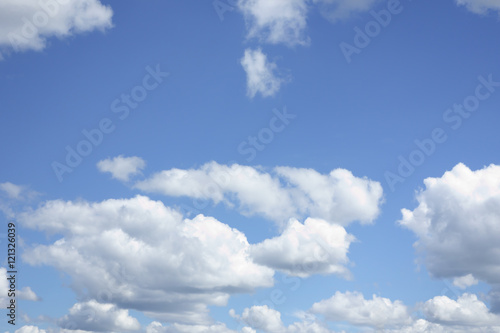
(304, 249)
(480, 6)
(467, 310)
(337, 197)
(122, 168)
(262, 76)
(352, 307)
(267, 320)
(93, 316)
(456, 223)
(138, 254)
(27, 24)
(440, 314)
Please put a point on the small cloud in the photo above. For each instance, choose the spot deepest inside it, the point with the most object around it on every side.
(17, 192)
(481, 7)
(27, 294)
(122, 168)
(465, 281)
(12, 190)
(261, 76)
(277, 21)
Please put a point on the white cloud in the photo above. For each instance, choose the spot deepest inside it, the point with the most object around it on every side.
(352, 307)
(27, 24)
(467, 310)
(30, 329)
(480, 6)
(424, 326)
(122, 168)
(304, 249)
(93, 316)
(261, 74)
(124, 250)
(456, 222)
(465, 281)
(264, 319)
(442, 315)
(337, 197)
(285, 21)
(12, 190)
(277, 21)
(17, 192)
(156, 327)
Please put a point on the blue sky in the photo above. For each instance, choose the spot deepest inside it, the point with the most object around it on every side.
(276, 166)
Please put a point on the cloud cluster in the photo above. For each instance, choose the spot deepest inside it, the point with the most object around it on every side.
(456, 223)
(138, 254)
(337, 197)
(377, 312)
(157, 327)
(27, 24)
(267, 320)
(440, 315)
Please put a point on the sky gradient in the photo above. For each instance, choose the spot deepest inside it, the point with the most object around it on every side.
(251, 166)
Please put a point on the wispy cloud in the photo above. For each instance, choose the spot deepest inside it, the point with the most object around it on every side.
(262, 76)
